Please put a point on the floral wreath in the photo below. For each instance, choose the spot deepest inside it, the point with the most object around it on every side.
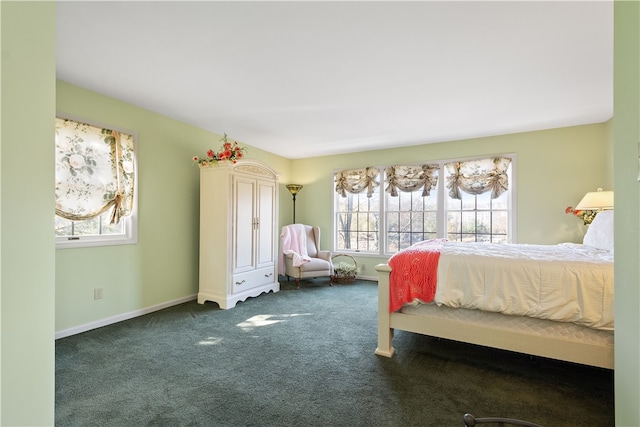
(228, 151)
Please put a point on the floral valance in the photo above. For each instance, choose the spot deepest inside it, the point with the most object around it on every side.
(357, 180)
(411, 178)
(478, 176)
(94, 171)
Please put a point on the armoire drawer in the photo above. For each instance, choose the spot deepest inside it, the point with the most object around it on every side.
(251, 279)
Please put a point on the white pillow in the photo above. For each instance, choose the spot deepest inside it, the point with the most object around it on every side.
(600, 232)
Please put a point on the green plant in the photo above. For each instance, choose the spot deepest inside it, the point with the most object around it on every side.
(345, 269)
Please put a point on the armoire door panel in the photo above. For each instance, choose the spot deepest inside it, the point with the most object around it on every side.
(244, 225)
(265, 233)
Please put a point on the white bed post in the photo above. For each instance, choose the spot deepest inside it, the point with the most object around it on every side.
(385, 333)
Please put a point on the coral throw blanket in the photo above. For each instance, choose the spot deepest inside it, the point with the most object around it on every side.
(414, 273)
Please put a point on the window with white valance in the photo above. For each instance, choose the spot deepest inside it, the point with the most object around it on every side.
(95, 184)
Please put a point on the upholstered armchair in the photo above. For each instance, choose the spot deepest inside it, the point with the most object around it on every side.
(295, 240)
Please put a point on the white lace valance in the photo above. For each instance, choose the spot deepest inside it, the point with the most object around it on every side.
(411, 178)
(478, 176)
(357, 180)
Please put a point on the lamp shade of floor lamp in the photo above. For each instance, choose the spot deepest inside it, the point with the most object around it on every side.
(294, 189)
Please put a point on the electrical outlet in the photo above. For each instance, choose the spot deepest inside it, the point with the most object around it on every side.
(97, 293)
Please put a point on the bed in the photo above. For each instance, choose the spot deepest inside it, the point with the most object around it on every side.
(552, 301)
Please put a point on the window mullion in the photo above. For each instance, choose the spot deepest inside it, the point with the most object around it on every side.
(441, 214)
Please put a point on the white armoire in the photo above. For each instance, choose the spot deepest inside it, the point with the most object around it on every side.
(238, 232)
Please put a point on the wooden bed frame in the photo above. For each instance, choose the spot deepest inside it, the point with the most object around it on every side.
(585, 353)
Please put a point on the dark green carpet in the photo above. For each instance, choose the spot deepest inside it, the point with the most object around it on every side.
(305, 358)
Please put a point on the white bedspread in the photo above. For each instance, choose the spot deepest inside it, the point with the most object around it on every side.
(566, 282)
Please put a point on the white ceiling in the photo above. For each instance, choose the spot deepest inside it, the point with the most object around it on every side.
(304, 79)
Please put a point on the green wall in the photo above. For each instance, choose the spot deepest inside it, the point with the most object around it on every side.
(554, 169)
(163, 265)
(626, 135)
(27, 265)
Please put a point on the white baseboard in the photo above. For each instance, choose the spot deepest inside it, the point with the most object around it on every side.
(371, 278)
(119, 318)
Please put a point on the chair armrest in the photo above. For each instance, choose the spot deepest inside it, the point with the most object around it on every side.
(325, 255)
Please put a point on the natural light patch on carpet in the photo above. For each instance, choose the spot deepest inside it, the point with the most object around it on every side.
(266, 319)
(211, 341)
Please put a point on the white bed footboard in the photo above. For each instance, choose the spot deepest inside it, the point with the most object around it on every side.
(584, 351)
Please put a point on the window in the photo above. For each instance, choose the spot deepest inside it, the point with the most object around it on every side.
(477, 205)
(478, 218)
(472, 202)
(95, 185)
(358, 222)
(357, 210)
(410, 218)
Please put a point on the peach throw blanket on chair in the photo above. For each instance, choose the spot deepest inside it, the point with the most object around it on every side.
(414, 273)
(293, 240)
